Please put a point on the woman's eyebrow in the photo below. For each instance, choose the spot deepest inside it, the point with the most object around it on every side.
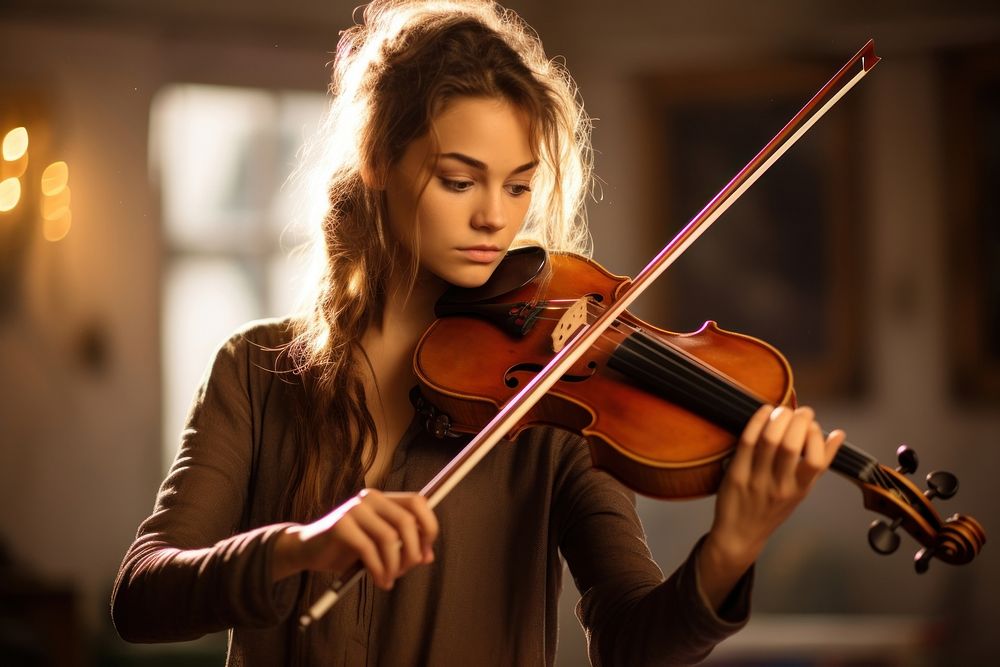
(481, 166)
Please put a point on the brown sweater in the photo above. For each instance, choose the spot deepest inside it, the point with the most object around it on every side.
(200, 563)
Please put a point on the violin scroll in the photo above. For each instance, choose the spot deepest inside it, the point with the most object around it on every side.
(956, 540)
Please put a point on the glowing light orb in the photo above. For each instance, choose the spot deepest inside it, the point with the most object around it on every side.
(54, 178)
(15, 144)
(54, 207)
(57, 229)
(10, 194)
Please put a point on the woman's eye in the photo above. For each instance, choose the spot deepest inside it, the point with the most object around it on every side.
(456, 185)
(518, 189)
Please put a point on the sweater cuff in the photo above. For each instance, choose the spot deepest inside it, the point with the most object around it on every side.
(267, 603)
(284, 593)
(735, 610)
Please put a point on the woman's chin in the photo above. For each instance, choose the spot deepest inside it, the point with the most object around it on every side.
(470, 277)
(467, 276)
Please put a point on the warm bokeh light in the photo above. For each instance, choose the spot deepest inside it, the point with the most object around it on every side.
(10, 194)
(58, 228)
(18, 167)
(15, 144)
(13, 169)
(54, 207)
(54, 178)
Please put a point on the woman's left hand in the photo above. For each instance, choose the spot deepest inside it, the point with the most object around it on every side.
(778, 458)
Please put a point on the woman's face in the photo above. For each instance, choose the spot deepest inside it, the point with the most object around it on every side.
(464, 196)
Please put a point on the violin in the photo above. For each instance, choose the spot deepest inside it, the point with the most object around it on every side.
(549, 340)
(661, 411)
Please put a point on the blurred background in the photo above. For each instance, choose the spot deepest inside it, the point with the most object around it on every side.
(142, 218)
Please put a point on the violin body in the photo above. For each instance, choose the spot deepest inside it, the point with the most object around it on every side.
(469, 367)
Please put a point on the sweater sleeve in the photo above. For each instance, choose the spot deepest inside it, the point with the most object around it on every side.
(189, 571)
(630, 614)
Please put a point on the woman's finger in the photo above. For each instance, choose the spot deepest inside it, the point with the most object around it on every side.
(818, 454)
(790, 449)
(427, 523)
(402, 519)
(357, 540)
(742, 461)
(768, 443)
(385, 537)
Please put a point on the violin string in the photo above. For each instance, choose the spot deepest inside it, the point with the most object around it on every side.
(679, 359)
(682, 360)
(688, 369)
(888, 482)
(856, 461)
(604, 337)
(702, 390)
(705, 384)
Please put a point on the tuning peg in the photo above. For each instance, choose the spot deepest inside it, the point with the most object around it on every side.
(908, 460)
(922, 559)
(882, 537)
(941, 484)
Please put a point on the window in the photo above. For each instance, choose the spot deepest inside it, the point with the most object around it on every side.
(220, 157)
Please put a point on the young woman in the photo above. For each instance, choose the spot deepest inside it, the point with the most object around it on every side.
(451, 138)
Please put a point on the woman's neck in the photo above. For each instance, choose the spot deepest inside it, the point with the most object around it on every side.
(409, 309)
(390, 342)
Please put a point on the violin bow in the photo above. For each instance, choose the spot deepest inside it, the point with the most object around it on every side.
(587, 335)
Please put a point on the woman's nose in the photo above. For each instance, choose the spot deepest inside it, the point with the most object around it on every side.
(490, 215)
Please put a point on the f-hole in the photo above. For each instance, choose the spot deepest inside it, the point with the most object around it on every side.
(512, 382)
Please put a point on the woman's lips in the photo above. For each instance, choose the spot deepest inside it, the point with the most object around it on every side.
(482, 255)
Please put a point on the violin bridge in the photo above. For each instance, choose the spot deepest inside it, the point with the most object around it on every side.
(572, 321)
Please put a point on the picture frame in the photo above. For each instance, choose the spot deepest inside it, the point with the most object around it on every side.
(783, 264)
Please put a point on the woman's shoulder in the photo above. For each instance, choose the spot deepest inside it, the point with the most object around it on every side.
(265, 334)
(256, 346)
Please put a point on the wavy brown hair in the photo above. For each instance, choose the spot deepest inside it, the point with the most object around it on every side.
(394, 72)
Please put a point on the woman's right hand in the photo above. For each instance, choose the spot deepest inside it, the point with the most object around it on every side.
(388, 532)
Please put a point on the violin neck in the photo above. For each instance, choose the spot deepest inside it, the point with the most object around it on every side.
(855, 464)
